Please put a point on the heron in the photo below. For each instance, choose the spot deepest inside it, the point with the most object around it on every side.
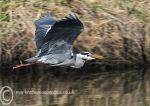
(54, 41)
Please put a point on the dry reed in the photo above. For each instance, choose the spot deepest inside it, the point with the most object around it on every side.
(118, 30)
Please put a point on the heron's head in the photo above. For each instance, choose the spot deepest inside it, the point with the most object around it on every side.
(84, 56)
(88, 56)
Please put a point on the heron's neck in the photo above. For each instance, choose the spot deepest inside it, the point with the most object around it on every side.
(79, 62)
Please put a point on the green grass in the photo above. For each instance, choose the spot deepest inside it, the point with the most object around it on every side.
(142, 15)
(4, 6)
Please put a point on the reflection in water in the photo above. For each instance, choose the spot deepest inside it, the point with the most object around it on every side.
(104, 88)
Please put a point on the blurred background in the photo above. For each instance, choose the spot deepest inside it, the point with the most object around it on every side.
(117, 29)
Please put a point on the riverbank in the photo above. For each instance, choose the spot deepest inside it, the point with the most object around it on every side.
(118, 30)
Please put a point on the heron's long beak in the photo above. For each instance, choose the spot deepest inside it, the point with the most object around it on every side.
(97, 57)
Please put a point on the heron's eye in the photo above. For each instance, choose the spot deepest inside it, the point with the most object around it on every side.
(89, 54)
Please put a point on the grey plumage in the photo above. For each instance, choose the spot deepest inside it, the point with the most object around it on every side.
(42, 26)
(54, 40)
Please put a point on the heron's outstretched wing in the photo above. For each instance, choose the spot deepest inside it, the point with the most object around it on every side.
(58, 54)
(55, 38)
(43, 25)
(66, 30)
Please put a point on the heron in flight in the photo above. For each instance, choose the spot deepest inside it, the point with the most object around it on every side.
(54, 42)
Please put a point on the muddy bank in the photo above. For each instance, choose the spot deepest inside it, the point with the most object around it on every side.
(117, 30)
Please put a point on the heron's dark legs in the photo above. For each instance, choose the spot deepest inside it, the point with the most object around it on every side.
(24, 65)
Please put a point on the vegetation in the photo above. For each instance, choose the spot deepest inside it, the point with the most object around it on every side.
(116, 29)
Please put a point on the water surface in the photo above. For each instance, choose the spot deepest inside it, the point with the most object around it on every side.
(81, 87)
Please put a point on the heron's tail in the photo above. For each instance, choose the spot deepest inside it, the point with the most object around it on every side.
(32, 59)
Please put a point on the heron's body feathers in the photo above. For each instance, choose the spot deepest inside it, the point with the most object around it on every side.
(54, 41)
